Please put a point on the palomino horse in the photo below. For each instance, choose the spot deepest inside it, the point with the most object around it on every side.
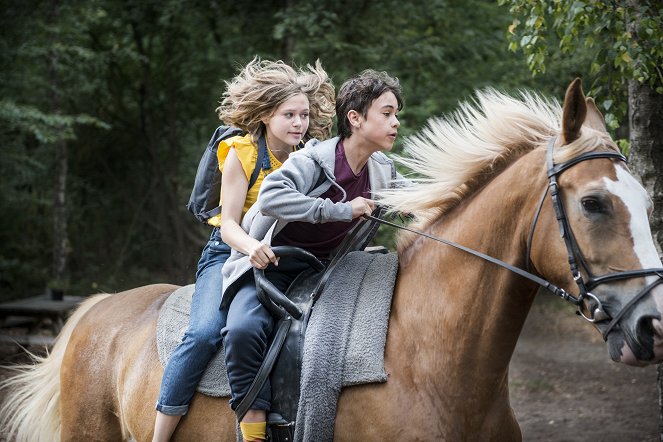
(455, 318)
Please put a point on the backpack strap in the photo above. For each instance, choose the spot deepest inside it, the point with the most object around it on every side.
(262, 162)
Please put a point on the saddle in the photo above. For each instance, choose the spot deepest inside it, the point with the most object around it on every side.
(344, 344)
(339, 339)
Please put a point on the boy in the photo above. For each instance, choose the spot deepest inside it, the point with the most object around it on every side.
(312, 202)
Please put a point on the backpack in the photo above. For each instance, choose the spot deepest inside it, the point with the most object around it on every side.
(206, 192)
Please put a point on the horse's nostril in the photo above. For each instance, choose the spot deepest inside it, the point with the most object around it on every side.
(657, 327)
(649, 329)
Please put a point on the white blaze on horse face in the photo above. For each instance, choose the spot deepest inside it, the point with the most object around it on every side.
(634, 197)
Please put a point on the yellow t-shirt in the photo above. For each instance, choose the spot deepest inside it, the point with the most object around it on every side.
(247, 152)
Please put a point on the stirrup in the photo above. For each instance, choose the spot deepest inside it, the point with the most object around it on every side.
(279, 429)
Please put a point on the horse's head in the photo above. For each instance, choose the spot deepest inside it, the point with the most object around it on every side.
(604, 218)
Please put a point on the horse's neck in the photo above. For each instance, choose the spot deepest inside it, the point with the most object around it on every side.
(464, 314)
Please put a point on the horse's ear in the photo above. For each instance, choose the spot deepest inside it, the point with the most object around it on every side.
(575, 110)
(594, 118)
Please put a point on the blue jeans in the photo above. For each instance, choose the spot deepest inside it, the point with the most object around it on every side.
(202, 338)
(248, 330)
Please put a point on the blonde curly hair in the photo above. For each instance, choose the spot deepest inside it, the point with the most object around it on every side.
(261, 86)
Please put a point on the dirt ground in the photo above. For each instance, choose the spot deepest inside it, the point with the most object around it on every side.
(563, 385)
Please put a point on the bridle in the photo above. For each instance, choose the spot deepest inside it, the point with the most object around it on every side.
(597, 313)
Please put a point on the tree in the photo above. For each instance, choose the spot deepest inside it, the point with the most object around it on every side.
(625, 36)
(46, 55)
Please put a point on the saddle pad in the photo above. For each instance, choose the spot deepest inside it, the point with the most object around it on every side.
(172, 323)
(366, 285)
(351, 317)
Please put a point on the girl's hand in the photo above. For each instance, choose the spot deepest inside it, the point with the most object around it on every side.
(260, 255)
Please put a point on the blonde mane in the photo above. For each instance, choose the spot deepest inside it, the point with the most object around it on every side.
(453, 156)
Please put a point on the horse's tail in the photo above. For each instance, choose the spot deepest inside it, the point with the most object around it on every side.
(31, 410)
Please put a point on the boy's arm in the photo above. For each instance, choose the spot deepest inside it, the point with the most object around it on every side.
(283, 194)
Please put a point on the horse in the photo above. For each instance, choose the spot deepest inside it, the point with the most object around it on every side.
(455, 318)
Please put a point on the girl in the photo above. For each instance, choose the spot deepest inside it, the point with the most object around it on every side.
(285, 107)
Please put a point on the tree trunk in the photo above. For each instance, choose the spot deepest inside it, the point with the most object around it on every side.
(646, 161)
(60, 235)
(288, 42)
(646, 158)
(646, 139)
(59, 275)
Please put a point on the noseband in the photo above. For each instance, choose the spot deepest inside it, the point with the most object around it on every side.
(575, 256)
(597, 313)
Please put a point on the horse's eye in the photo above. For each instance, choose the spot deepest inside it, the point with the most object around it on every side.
(592, 205)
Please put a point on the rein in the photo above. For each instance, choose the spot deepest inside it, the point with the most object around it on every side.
(598, 314)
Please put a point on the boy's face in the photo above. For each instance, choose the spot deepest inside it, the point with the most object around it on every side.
(380, 127)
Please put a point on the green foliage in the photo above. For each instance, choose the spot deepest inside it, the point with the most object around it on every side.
(130, 88)
(623, 37)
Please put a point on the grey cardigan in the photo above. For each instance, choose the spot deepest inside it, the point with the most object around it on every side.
(288, 195)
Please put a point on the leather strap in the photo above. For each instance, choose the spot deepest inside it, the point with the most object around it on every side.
(636, 298)
(542, 282)
(265, 369)
(356, 239)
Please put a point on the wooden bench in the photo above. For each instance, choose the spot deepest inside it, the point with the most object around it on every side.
(34, 312)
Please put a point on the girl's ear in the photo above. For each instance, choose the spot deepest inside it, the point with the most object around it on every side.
(354, 118)
(265, 120)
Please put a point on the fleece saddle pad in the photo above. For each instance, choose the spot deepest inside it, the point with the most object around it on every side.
(360, 288)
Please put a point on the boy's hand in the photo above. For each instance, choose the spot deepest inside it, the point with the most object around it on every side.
(361, 206)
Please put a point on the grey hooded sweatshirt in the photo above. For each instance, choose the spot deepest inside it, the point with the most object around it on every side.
(288, 195)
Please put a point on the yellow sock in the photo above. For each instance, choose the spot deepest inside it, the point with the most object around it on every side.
(253, 430)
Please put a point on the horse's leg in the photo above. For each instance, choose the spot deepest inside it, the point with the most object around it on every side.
(102, 363)
(501, 424)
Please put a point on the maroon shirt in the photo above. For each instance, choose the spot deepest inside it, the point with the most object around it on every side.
(321, 239)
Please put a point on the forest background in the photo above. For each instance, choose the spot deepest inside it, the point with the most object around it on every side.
(107, 105)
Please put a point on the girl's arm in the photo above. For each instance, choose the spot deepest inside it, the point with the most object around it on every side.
(234, 187)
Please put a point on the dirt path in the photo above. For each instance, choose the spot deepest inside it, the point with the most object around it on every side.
(564, 387)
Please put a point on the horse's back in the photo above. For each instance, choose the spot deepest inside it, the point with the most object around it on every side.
(111, 375)
(111, 368)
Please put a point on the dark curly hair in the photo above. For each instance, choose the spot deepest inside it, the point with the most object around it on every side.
(359, 92)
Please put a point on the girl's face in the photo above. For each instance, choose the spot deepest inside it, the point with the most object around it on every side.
(288, 124)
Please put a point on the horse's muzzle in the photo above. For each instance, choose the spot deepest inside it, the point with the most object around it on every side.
(638, 341)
